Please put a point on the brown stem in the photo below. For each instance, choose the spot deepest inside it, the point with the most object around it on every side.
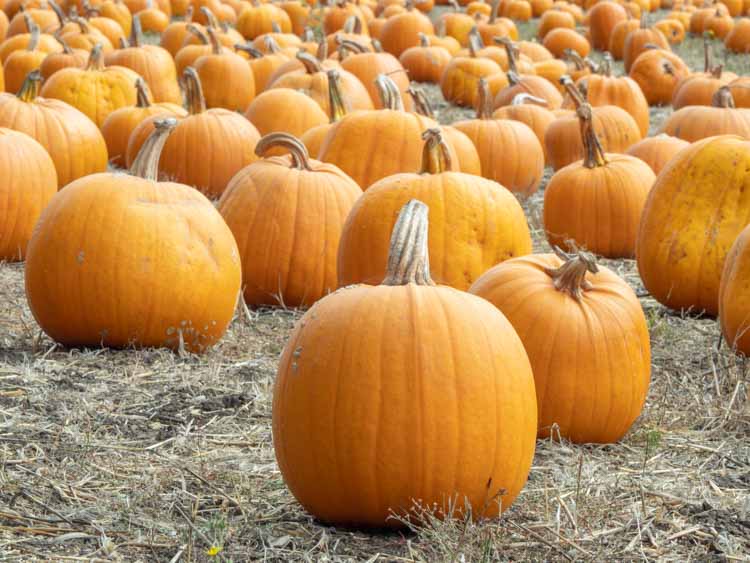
(194, 99)
(593, 152)
(33, 38)
(188, 14)
(644, 23)
(322, 52)
(377, 47)
(707, 53)
(300, 156)
(146, 163)
(141, 89)
(668, 68)
(422, 105)
(350, 45)
(308, 35)
(270, 45)
(250, 50)
(336, 101)
(510, 49)
(524, 98)
(484, 100)
(493, 12)
(723, 98)
(82, 24)
(570, 277)
(408, 254)
(573, 91)
(58, 12)
(65, 47)
(605, 68)
(424, 40)
(210, 17)
(96, 60)
(136, 31)
(198, 32)
(573, 56)
(436, 157)
(216, 46)
(475, 42)
(390, 96)
(275, 27)
(30, 87)
(717, 71)
(311, 64)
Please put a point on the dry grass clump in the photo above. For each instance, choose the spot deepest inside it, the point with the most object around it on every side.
(152, 456)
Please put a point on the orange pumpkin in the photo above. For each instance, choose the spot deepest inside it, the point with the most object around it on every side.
(66, 58)
(402, 31)
(719, 24)
(672, 29)
(461, 77)
(525, 84)
(426, 62)
(603, 18)
(619, 34)
(734, 299)
(738, 39)
(480, 223)
(596, 203)
(657, 151)
(445, 456)
(22, 62)
(554, 20)
(560, 40)
(136, 287)
(287, 214)
(72, 140)
(658, 72)
(698, 206)
(641, 39)
(589, 315)
(693, 123)
(285, 110)
(530, 111)
(256, 19)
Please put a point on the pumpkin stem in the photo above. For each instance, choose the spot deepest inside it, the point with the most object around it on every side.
(250, 50)
(723, 98)
(570, 277)
(377, 47)
(96, 60)
(136, 31)
(408, 254)
(573, 91)
(350, 45)
(668, 68)
(188, 14)
(216, 46)
(311, 64)
(436, 157)
(524, 98)
(142, 93)
(717, 71)
(475, 43)
(707, 54)
(605, 68)
(269, 43)
(495, 5)
(484, 100)
(33, 38)
(194, 99)
(30, 87)
(322, 51)
(424, 41)
(336, 101)
(353, 25)
(59, 13)
(66, 48)
(81, 23)
(146, 163)
(300, 156)
(275, 27)
(210, 17)
(593, 151)
(422, 105)
(198, 32)
(308, 35)
(390, 96)
(573, 56)
(510, 49)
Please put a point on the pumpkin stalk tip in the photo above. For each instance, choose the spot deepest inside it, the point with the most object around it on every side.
(570, 277)
(436, 157)
(31, 86)
(484, 100)
(594, 155)
(195, 101)
(146, 163)
(408, 254)
(298, 151)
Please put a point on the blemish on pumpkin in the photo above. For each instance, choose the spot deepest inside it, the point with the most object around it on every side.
(80, 257)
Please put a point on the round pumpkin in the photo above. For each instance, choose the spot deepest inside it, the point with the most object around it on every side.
(426, 62)
(693, 123)
(573, 316)
(168, 273)
(734, 297)
(639, 40)
(415, 377)
(402, 31)
(531, 111)
(67, 58)
(603, 17)
(285, 110)
(657, 151)
(657, 72)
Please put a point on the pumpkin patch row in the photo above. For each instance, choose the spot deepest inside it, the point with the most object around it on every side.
(287, 154)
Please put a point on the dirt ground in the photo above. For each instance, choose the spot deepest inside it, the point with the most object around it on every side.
(151, 456)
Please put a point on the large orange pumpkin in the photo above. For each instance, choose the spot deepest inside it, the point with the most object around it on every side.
(596, 203)
(287, 214)
(574, 317)
(698, 206)
(390, 352)
(531, 111)
(657, 151)
(693, 123)
(73, 141)
(734, 295)
(658, 72)
(477, 223)
(603, 17)
(164, 270)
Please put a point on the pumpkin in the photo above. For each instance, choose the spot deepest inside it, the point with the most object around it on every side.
(313, 81)
(639, 40)
(264, 64)
(4, 23)
(226, 77)
(256, 19)
(461, 77)
(693, 123)
(480, 224)
(298, 13)
(619, 34)
(482, 459)
(738, 39)
(151, 62)
(168, 274)
(553, 20)
(740, 89)
(426, 62)
(286, 214)
(698, 206)
(173, 37)
(191, 52)
(27, 183)
(285, 110)
(509, 151)
(698, 89)
(496, 27)
(525, 83)
(43, 18)
(672, 29)
(560, 39)
(120, 124)
(657, 151)
(658, 72)
(719, 24)
(402, 31)
(96, 91)
(589, 316)
(391, 133)
(603, 89)
(603, 18)
(66, 58)
(531, 111)
(457, 24)
(614, 127)
(84, 36)
(734, 305)
(47, 43)
(337, 14)
(117, 10)
(207, 147)
(22, 62)
(596, 203)
(72, 140)
(313, 136)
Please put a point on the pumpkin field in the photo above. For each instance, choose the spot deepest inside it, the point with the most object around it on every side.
(374, 280)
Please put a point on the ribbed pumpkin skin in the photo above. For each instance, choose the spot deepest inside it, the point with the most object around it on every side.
(693, 123)
(73, 141)
(734, 295)
(27, 182)
(117, 260)
(599, 208)
(603, 17)
(468, 158)
(697, 207)
(370, 145)
(509, 152)
(622, 92)
(537, 118)
(316, 86)
(287, 110)
(364, 364)
(590, 359)
(155, 65)
(657, 151)
(287, 224)
(475, 223)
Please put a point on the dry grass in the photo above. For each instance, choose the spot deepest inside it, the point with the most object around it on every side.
(149, 456)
